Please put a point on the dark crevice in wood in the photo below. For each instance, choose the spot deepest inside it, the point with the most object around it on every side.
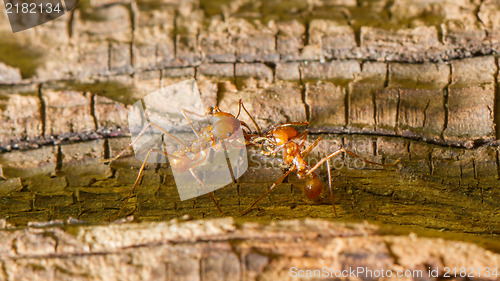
(398, 110)
(476, 12)
(133, 11)
(71, 20)
(474, 168)
(431, 164)
(498, 164)
(346, 106)
(43, 111)
(92, 111)
(408, 150)
(388, 7)
(5, 272)
(107, 149)
(174, 32)
(496, 101)
(59, 159)
(445, 101)
(304, 96)
(272, 66)
(387, 75)
(440, 34)
(425, 113)
(109, 56)
(161, 79)
(306, 39)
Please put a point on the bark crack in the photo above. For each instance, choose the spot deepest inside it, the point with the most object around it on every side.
(174, 32)
(498, 165)
(5, 271)
(393, 255)
(476, 12)
(346, 105)
(133, 21)
(304, 96)
(109, 56)
(70, 23)
(446, 107)
(431, 164)
(496, 100)
(398, 109)
(93, 112)
(425, 113)
(43, 111)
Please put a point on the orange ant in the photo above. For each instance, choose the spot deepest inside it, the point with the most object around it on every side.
(224, 126)
(284, 137)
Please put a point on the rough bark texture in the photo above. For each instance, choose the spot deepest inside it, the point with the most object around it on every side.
(223, 250)
(103, 55)
(403, 79)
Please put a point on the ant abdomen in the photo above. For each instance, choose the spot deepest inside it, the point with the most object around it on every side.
(313, 188)
(181, 165)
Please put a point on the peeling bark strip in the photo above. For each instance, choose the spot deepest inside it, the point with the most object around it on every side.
(221, 250)
(116, 37)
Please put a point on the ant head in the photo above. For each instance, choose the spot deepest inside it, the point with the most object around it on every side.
(224, 125)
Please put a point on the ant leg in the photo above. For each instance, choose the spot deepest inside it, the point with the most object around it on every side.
(278, 148)
(169, 135)
(195, 113)
(330, 187)
(293, 124)
(269, 190)
(134, 186)
(246, 126)
(326, 158)
(129, 146)
(311, 147)
(198, 163)
(190, 123)
(150, 124)
(206, 189)
(239, 109)
(304, 138)
(303, 154)
(340, 150)
(241, 105)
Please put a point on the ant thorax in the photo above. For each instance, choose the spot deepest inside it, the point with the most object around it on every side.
(205, 140)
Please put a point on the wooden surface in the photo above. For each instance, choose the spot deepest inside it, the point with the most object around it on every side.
(409, 80)
(419, 70)
(224, 250)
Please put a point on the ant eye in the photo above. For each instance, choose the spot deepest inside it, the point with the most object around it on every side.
(228, 134)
